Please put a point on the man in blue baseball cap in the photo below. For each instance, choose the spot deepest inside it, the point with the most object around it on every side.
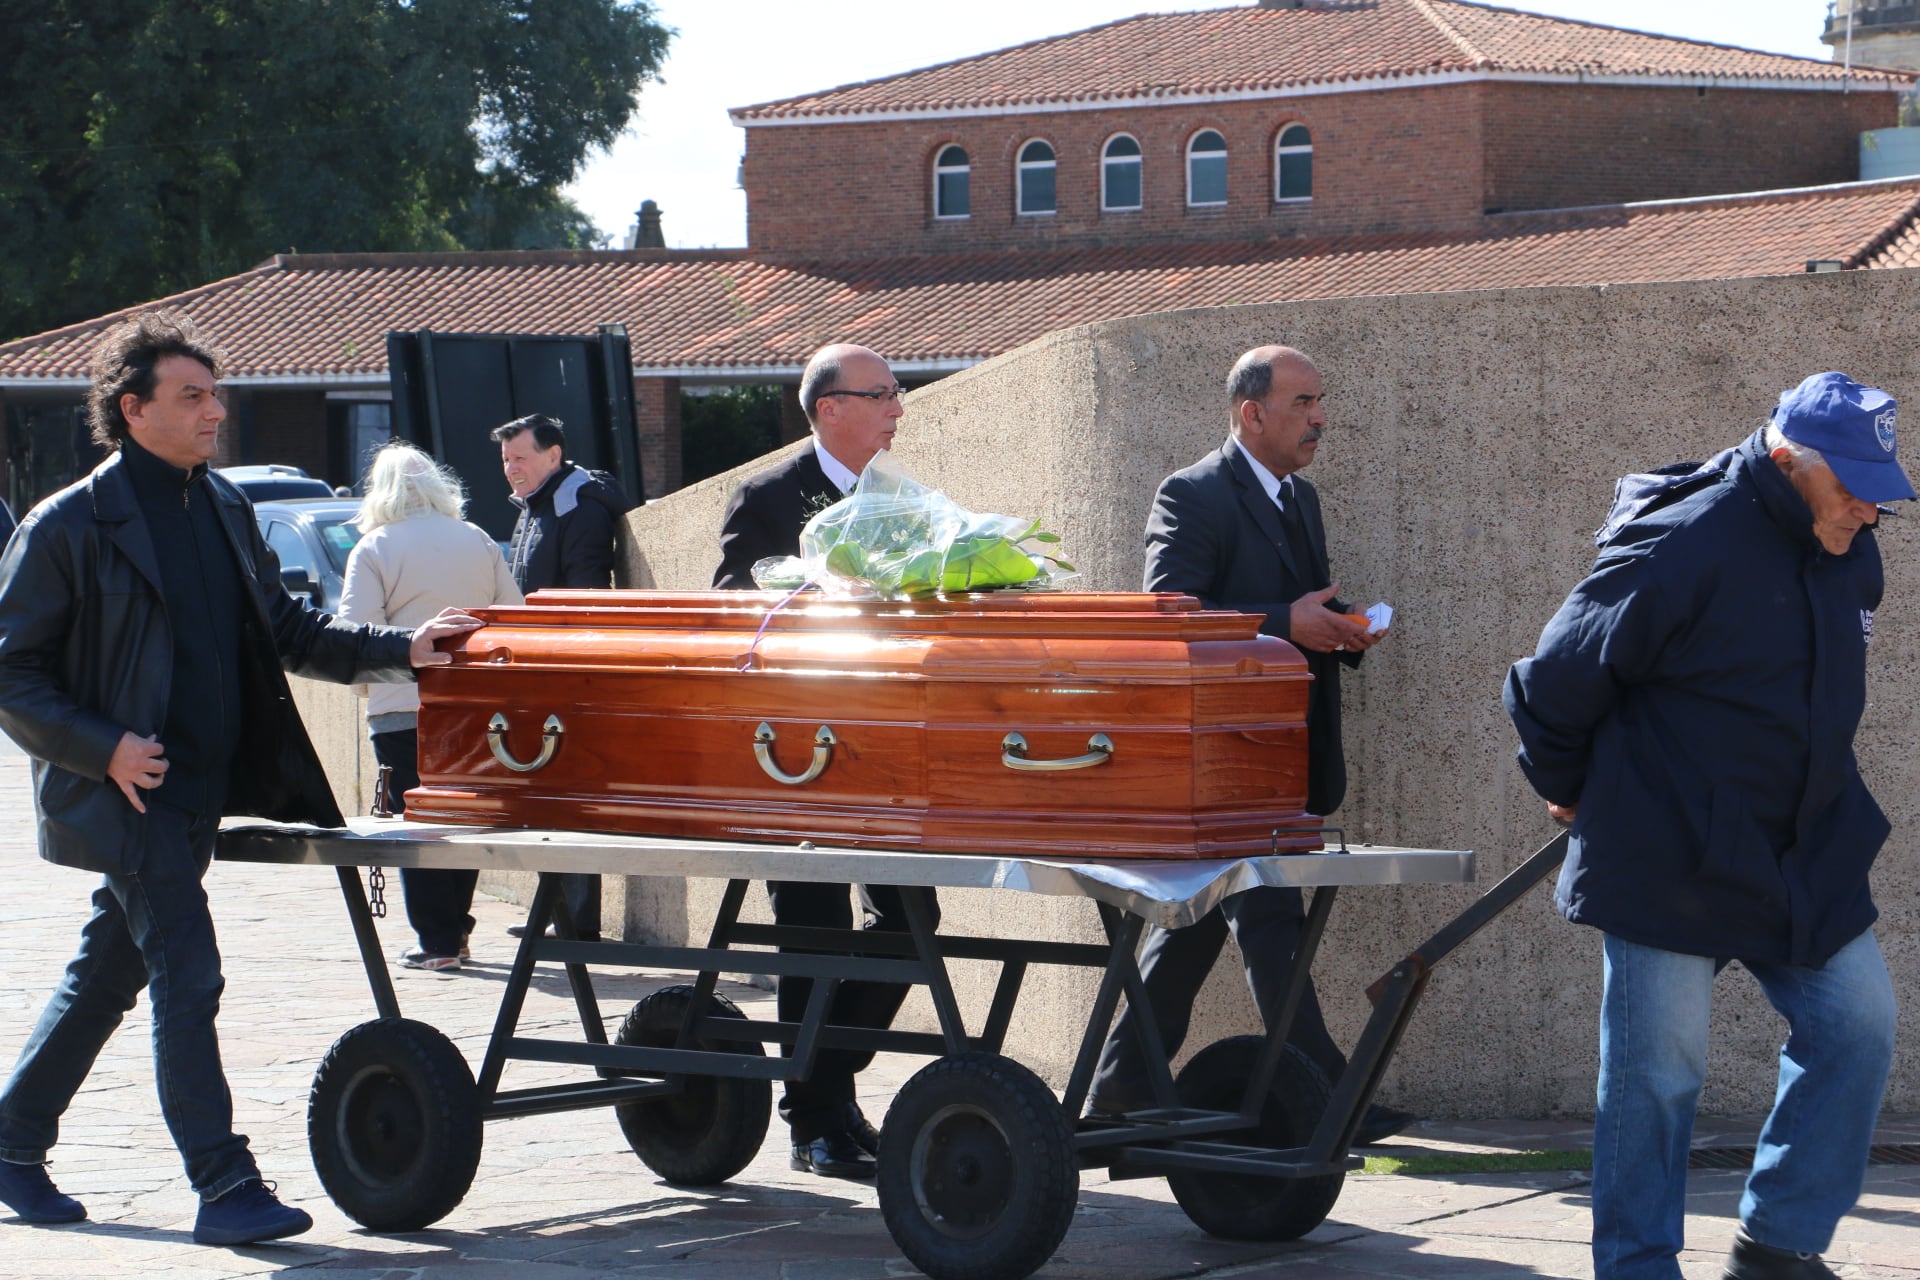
(1690, 711)
(1853, 428)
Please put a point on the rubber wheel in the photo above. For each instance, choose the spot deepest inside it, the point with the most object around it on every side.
(712, 1128)
(1234, 1205)
(977, 1176)
(394, 1124)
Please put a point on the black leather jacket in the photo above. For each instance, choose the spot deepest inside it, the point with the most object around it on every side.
(86, 654)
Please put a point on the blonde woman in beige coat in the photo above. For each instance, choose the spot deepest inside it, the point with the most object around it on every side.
(415, 557)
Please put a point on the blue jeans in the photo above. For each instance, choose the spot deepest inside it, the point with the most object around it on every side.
(150, 929)
(1811, 1158)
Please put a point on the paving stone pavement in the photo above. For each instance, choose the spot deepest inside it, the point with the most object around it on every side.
(563, 1198)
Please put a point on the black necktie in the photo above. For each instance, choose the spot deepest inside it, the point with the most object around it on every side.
(1296, 530)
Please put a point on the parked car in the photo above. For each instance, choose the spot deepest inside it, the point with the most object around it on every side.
(312, 537)
(273, 481)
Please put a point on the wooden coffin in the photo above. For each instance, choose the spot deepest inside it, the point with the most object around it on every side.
(1053, 724)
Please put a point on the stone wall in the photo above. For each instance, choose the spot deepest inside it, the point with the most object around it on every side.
(1475, 439)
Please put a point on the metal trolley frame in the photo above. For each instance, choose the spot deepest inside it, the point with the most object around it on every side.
(979, 1162)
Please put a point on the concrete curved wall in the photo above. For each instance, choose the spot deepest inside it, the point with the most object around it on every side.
(1475, 439)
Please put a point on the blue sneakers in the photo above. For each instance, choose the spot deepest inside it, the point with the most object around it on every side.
(29, 1192)
(246, 1215)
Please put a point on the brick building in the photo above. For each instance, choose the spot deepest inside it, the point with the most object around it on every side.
(1290, 121)
(1261, 152)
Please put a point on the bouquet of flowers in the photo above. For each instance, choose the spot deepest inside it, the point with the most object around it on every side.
(895, 538)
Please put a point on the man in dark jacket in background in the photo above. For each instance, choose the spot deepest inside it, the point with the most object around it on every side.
(143, 636)
(569, 516)
(1691, 711)
(566, 537)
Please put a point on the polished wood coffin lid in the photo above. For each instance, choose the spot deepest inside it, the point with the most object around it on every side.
(755, 715)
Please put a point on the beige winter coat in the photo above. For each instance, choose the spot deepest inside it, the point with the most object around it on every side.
(404, 573)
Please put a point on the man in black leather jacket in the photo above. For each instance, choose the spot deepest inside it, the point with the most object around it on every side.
(144, 640)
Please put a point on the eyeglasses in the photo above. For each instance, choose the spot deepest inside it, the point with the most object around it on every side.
(891, 393)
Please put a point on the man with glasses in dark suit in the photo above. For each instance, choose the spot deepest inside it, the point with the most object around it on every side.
(1241, 530)
(853, 404)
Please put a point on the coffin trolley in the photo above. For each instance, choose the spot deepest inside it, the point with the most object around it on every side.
(979, 1162)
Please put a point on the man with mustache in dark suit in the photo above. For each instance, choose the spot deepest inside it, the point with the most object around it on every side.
(1241, 530)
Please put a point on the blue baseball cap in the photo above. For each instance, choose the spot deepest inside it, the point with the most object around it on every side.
(1853, 428)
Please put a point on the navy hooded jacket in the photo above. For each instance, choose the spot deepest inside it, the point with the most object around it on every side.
(1696, 696)
(568, 531)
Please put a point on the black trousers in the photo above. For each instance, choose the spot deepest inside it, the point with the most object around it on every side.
(582, 892)
(438, 901)
(816, 1107)
(1175, 963)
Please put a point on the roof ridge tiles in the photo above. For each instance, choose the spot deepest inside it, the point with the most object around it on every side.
(1475, 57)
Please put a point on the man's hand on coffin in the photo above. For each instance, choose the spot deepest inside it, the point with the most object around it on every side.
(137, 762)
(1311, 625)
(442, 626)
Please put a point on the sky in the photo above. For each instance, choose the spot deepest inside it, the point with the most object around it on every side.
(682, 151)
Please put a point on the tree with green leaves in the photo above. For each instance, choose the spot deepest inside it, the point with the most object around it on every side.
(147, 146)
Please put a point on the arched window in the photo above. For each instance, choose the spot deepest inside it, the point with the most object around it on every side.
(1120, 173)
(1207, 168)
(1293, 165)
(1035, 176)
(952, 184)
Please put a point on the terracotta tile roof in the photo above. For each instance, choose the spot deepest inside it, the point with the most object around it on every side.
(317, 317)
(1250, 51)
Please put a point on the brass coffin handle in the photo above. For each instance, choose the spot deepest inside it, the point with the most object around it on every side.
(823, 744)
(1013, 754)
(549, 743)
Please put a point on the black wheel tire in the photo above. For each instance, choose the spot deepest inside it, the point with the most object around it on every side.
(977, 1177)
(1233, 1205)
(394, 1124)
(712, 1128)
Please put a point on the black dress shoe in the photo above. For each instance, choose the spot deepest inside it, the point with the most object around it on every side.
(834, 1156)
(1751, 1260)
(1380, 1123)
(861, 1130)
(520, 931)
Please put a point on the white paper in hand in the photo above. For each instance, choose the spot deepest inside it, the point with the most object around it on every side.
(1379, 618)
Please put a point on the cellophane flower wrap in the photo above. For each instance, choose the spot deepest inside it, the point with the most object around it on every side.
(897, 539)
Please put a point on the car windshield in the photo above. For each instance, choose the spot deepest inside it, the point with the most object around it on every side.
(338, 537)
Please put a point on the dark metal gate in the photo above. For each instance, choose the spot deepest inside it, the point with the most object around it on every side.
(451, 389)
